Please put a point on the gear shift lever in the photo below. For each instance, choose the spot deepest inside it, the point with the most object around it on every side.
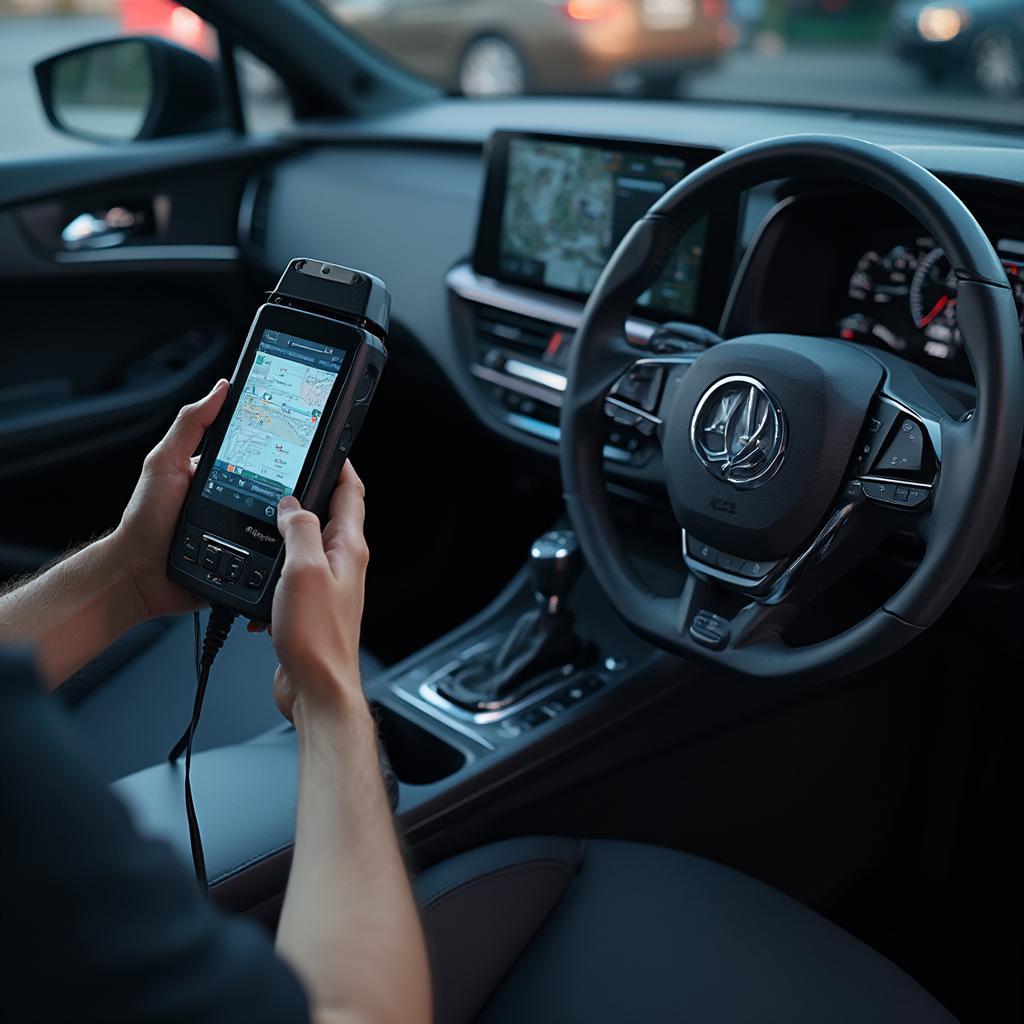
(555, 562)
(542, 641)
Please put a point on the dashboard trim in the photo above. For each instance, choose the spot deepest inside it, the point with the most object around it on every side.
(487, 291)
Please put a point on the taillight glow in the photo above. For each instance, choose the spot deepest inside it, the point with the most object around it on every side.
(592, 10)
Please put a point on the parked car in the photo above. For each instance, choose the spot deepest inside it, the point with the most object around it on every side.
(170, 21)
(982, 38)
(498, 47)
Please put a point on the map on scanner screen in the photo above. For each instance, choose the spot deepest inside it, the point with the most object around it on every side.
(273, 426)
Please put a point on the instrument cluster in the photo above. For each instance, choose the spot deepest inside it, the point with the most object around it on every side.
(903, 298)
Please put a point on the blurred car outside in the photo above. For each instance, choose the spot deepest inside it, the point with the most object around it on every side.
(508, 47)
(982, 39)
(170, 21)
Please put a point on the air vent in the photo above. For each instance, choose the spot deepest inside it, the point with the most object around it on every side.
(256, 211)
(497, 327)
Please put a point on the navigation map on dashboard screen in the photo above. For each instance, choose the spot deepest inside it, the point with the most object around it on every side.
(567, 206)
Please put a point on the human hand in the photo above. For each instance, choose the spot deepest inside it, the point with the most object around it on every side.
(144, 534)
(318, 604)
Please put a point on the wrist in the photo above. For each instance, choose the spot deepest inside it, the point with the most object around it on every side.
(125, 601)
(334, 706)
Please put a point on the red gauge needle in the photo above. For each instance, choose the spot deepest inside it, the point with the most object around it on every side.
(935, 310)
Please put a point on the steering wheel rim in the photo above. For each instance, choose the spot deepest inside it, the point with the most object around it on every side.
(975, 460)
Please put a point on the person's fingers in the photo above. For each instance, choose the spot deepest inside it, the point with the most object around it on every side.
(256, 627)
(186, 432)
(301, 532)
(344, 532)
(193, 464)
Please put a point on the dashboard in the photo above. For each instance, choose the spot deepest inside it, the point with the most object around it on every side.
(490, 287)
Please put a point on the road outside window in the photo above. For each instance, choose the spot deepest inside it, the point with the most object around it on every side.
(953, 59)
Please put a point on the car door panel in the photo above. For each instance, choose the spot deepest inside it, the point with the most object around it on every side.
(101, 346)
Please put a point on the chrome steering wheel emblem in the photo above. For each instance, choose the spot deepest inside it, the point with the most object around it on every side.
(739, 432)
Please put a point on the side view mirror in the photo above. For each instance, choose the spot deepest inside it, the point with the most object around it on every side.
(136, 87)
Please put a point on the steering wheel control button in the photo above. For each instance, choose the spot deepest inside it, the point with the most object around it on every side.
(640, 386)
(702, 552)
(877, 430)
(905, 451)
(755, 570)
(878, 491)
(710, 630)
(730, 563)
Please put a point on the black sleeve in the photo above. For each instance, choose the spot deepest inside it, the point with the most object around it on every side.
(98, 923)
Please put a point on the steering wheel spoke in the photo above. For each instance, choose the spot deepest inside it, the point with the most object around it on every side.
(637, 398)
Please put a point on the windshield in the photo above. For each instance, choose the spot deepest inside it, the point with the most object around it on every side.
(959, 60)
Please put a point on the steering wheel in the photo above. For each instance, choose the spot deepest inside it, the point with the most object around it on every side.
(788, 458)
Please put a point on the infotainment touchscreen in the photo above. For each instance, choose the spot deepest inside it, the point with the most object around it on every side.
(556, 208)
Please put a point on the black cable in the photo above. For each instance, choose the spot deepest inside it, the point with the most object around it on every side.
(218, 626)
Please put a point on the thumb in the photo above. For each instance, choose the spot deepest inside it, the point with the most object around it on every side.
(301, 532)
(186, 432)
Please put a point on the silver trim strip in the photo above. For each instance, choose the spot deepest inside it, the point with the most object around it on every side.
(893, 480)
(538, 374)
(785, 583)
(521, 387)
(427, 709)
(470, 286)
(152, 253)
(428, 691)
(620, 404)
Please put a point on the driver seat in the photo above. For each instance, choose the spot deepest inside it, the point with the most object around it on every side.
(556, 930)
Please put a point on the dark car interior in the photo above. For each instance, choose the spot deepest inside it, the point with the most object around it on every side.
(568, 631)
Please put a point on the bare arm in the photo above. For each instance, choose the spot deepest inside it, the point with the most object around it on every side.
(78, 607)
(349, 925)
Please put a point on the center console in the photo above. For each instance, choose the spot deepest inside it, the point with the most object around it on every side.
(454, 754)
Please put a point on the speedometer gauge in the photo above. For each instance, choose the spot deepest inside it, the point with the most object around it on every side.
(933, 290)
(882, 279)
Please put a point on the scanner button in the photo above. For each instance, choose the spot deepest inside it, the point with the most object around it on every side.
(190, 546)
(256, 578)
(365, 388)
(347, 435)
(211, 557)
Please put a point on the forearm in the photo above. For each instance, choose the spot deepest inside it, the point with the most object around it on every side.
(72, 611)
(349, 925)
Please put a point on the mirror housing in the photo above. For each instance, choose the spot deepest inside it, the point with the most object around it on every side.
(131, 87)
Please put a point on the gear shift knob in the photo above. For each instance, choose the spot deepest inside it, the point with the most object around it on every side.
(555, 562)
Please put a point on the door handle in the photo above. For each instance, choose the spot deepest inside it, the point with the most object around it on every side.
(89, 231)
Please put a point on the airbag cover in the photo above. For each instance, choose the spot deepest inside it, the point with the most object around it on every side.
(824, 389)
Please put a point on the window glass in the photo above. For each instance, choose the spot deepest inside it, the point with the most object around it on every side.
(31, 30)
(961, 59)
(265, 101)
